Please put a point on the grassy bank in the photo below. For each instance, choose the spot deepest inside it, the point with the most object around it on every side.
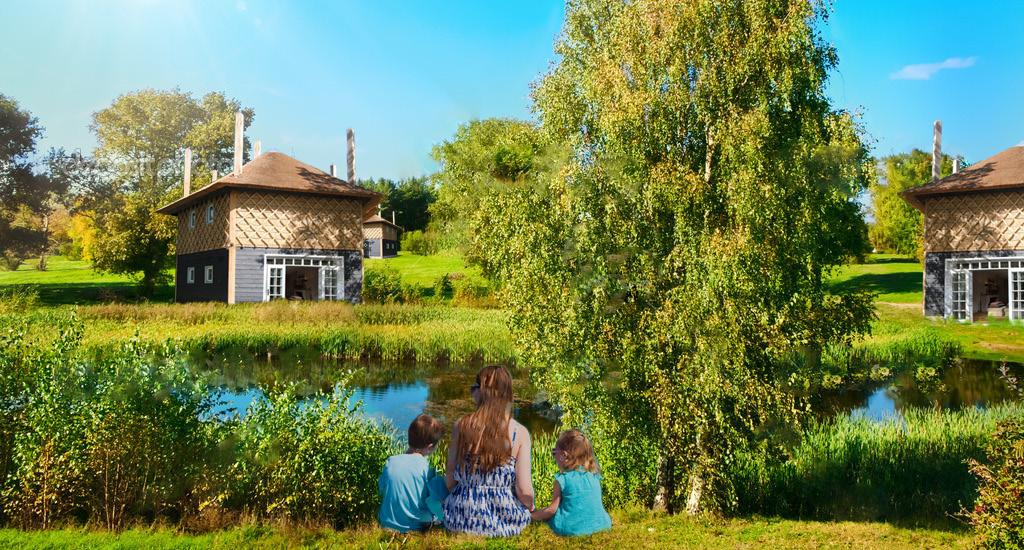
(895, 279)
(392, 332)
(633, 529)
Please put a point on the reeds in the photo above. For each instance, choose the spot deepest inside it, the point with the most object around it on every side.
(911, 468)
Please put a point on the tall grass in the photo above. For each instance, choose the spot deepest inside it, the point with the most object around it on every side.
(911, 469)
(336, 330)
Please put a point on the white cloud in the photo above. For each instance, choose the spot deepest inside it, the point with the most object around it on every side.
(924, 71)
(240, 5)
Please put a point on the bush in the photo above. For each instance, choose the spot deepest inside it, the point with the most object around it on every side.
(385, 286)
(998, 514)
(416, 242)
(443, 287)
(10, 261)
(18, 299)
(108, 441)
(314, 460)
(473, 293)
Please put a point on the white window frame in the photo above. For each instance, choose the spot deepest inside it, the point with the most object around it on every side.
(208, 274)
(273, 262)
(1016, 294)
(190, 275)
(192, 218)
(209, 214)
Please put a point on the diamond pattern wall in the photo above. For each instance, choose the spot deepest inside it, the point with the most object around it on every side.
(287, 220)
(991, 220)
(204, 236)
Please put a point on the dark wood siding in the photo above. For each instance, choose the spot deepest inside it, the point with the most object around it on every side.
(199, 290)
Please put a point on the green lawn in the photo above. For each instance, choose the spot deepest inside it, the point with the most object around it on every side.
(896, 279)
(632, 529)
(75, 282)
(424, 271)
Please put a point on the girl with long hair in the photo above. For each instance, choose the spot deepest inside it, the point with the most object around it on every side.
(488, 470)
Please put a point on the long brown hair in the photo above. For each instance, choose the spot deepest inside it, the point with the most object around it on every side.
(483, 434)
(578, 451)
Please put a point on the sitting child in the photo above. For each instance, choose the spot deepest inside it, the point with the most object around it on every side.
(410, 488)
(576, 507)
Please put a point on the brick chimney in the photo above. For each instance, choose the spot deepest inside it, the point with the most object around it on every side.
(937, 151)
(351, 156)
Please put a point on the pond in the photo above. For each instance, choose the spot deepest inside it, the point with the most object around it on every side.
(397, 392)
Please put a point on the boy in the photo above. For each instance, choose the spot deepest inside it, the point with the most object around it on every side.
(408, 483)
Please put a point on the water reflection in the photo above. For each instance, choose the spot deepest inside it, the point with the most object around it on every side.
(397, 392)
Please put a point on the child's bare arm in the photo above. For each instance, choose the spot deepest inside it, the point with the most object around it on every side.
(453, 450)
(548, 511)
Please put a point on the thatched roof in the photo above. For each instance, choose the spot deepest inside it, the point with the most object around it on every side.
(280, 172)
(1004, 170)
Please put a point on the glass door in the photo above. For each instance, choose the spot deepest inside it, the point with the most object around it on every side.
(961, 295)
(1017, 294)
(275, 282)
(328, 283)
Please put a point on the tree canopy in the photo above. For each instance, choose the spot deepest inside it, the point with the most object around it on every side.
(26, 194)
(898, 227)
(141, 141)
(665, 267)
(409, 198)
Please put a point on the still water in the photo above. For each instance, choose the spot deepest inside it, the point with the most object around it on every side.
(397, 392)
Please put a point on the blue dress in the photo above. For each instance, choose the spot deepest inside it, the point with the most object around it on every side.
(580, 511)
(485, 503)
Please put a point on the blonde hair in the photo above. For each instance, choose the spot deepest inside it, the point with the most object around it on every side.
(483, 434)
(579, 453)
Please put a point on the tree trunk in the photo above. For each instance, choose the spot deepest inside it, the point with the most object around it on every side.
(46, 242)
(696, 491)
(666, 483)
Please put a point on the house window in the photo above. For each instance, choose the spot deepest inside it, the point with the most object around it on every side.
(190, 275)
(1017, 294)
(208, 274)
(960, 292)
(191, 219)
(209, 214)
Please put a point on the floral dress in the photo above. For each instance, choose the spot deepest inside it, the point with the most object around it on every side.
(485, 503)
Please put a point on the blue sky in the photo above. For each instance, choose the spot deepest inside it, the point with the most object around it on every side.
(404, 75)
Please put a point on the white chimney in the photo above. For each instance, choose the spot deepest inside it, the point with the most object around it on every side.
(937, 151)
(239, 129)
(334, 171)
(256, 149)
(188, 171)
(214, 176)
(956, 165)
(351, 156)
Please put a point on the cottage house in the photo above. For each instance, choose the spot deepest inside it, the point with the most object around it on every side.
(273, 228)
(380, 237)
(974, 237)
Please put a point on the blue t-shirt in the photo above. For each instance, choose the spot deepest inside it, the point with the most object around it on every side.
(406, 487)
(580, 512)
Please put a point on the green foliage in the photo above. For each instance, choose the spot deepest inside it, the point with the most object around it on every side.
(481, 160)
(443, 287)
(409, 199)
(142, 137)
(110, 440)
(667, 259)
(898, 227)
(26, 197)
(416, 242)
(125, 436)
(385, 286)
(911, 469)
(997, 515)
(314, 460)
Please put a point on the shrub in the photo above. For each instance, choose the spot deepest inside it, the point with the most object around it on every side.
(309, 461)
(10, 261)
(443, 287)
(472, 292)
(385, 286)
(119, 438)
(18, 299)
(416, 242)
(998, 514)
